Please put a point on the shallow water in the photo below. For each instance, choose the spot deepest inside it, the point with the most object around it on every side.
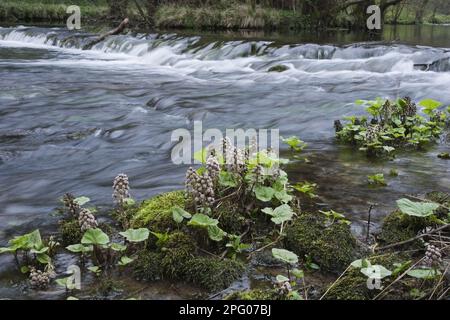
(71, 120)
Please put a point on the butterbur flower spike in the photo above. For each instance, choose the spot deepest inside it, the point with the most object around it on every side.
(121, 189)
(87, 220)
(433, 256)
(213, 167)
(69, 202)
(38, 279)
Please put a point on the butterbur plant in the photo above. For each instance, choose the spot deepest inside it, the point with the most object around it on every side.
(295, 143)
(377, 180)
(31, 246)
(287, 285)
(393, 125)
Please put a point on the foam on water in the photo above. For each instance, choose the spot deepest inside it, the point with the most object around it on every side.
(185, 53)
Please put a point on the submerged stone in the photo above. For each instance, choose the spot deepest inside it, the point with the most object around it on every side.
(278, 68)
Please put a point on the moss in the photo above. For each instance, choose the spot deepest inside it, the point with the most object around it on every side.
(400, 227)
(257, 294)
(211, 273)
(332, 247)
(156, 212)
(230, 218)
(353, 285)
(178, 249)
(70, 232)
(278, 68)
(147, 266)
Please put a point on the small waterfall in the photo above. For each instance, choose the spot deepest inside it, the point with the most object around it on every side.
(223, 56)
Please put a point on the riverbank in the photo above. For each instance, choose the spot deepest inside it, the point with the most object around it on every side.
(234, 17)
(211, 17)
(49, 11)
(166, 16)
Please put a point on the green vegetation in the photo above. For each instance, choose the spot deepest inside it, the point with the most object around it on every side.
(393, 126)
(49, 10)
(240, 203)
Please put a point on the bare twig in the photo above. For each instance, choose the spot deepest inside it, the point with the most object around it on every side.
(335, 282)
(414, 238)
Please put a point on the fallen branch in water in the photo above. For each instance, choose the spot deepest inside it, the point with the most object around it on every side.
(113, 32)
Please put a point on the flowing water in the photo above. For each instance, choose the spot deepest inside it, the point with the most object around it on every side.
(72, 119)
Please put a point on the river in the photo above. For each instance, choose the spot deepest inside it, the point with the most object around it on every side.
(70, 120)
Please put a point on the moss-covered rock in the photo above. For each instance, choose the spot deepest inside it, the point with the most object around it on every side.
(156, 212)
(70, 232)
(353, 284)
(230, 218)
(399, 227)
(257, 294)
(211, 273)
(147, 266)
(278, 68)
(333, 247)
(177, 251)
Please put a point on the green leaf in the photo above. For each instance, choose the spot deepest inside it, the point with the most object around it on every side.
(283, 196)
(62, 281)
(201, 155)
(95, 237)
(388, 149)
(416, 209)
(179, 214)
(81, 200)
(27, 241)
(423, 273)
(282, 279)
(227, 179)
(299, 274)
(125, 260)
(79, 248)
(285, 256)
(7, 250)
(377, 179)
(43, 258)
(129, 202)
(215, 233)
(306, 188)
(264, 194)
(24, 269)
(360, 263)
(295, 143)
(39, 251)
(401, 267)
(281, 214)
(72, 298)
(136, 235)
(430, 105)
(162, 238)
(95, 269)
(202, 220)
(118, 247)
(376, 272)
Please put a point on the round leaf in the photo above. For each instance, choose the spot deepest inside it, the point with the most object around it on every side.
(285, 255)
(136, 235)
(95, 236)
(417, 209)
(202, 220)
